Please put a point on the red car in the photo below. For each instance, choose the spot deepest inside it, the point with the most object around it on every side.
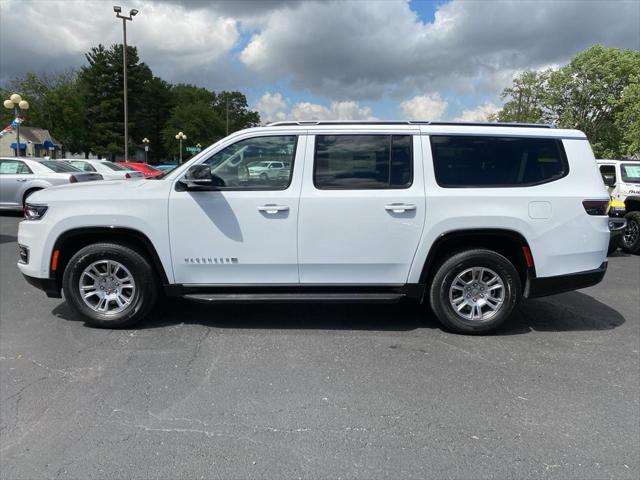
(147, 170)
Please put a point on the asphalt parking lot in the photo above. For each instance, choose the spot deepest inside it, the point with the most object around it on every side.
(320, 391)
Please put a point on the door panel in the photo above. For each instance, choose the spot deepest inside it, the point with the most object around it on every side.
(14, 175)
(237, 236)
(359, 236)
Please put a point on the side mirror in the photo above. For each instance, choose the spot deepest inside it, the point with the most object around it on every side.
(200, 178)
(609, 180)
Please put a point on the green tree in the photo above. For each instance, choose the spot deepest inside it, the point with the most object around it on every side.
(233, 106)
(628, 118)
(54, 105)
(102, 86)
(526, 98)
(587, 94)
(152, 115)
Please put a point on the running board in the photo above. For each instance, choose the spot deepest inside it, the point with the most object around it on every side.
(295, 297)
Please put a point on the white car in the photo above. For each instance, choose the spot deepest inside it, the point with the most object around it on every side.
(109, 170)
(622, 178)
(269, 170)
(20, 177)
(467, 219)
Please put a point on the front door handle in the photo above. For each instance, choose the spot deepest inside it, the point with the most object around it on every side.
(21, 179)
(399, 207)
(273, 209)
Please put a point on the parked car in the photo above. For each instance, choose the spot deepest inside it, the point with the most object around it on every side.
(269, 170)
(166, 166)
(147, 170)
(20, 177)
(466, 218)
(622, 178)
(109, 170)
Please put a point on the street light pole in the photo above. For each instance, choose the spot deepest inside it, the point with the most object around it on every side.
(145, 140)
(180, 136)
(132, 13)
(16, 103)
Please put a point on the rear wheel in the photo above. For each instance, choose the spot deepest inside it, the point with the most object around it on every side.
(110, 285)
(475, 291)
(630, 240)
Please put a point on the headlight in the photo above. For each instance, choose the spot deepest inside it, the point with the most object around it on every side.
(34, 212)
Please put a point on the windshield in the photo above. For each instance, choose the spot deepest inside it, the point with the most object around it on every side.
(59, 167)
(630, 172)
(113, 166)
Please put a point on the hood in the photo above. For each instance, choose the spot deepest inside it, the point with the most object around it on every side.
(90, 191)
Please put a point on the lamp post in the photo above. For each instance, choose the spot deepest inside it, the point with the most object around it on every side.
(16, 103)
(145, 140)
(180, 136)
(132, 13)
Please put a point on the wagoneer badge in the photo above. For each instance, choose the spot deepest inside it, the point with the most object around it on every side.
(209, 260)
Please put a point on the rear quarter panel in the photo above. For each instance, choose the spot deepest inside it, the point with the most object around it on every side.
(562, 237)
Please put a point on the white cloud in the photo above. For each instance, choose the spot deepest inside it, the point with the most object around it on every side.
(424, 107)
(273, 107)
(346, 50)
(479, 114)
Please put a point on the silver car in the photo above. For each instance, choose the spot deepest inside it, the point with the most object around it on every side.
(20, 177)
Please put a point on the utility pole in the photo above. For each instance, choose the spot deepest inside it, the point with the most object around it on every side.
(132, 13)
(227, 108)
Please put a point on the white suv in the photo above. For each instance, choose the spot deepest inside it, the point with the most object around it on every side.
(465, 218)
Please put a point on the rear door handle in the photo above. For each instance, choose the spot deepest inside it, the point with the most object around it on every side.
(21, 179)
(399, 207)
(273, 209)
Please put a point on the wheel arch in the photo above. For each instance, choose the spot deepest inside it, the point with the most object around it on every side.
(509, 243)
(70, 241)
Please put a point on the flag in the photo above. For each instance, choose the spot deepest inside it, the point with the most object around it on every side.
(12, 126)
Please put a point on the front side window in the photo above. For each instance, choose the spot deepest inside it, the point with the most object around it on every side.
(482, 161)
(15, 167)
(356, 162)
(246, 164)
(630, 172)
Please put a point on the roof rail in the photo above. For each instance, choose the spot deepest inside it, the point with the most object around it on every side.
(303, 123)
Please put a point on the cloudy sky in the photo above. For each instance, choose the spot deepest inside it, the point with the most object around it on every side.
(366, 59)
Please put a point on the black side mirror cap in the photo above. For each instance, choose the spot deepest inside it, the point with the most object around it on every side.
(199, 178)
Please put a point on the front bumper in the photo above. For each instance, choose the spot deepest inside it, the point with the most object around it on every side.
(541, 287)
(47, 285)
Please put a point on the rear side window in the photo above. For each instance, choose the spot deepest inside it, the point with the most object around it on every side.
(479, 161)
(59, 167)
(355, 162)
(84, 166)
(13, 167)
(113, 166)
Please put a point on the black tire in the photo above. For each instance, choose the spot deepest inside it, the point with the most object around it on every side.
(614, 244)
(264, 176)
(630, 240)
(146, 282)
(455, 265)
(27, 194)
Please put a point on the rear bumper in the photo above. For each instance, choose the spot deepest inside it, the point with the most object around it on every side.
(47, 285)
(541, 287)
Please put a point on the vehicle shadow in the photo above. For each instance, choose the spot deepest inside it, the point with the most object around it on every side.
(7, 238)
(572, 311)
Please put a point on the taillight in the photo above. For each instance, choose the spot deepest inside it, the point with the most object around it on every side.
(596, 207)
(127, 175)
(73, 179)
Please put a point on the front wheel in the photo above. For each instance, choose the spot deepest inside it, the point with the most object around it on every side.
(110, 285)
(475, 291)
(630, 240)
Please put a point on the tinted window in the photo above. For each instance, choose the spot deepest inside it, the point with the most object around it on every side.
(630, 172)
(59, 167)
(13, 167)
(352, 162)
(244, 165)
(477, 161)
